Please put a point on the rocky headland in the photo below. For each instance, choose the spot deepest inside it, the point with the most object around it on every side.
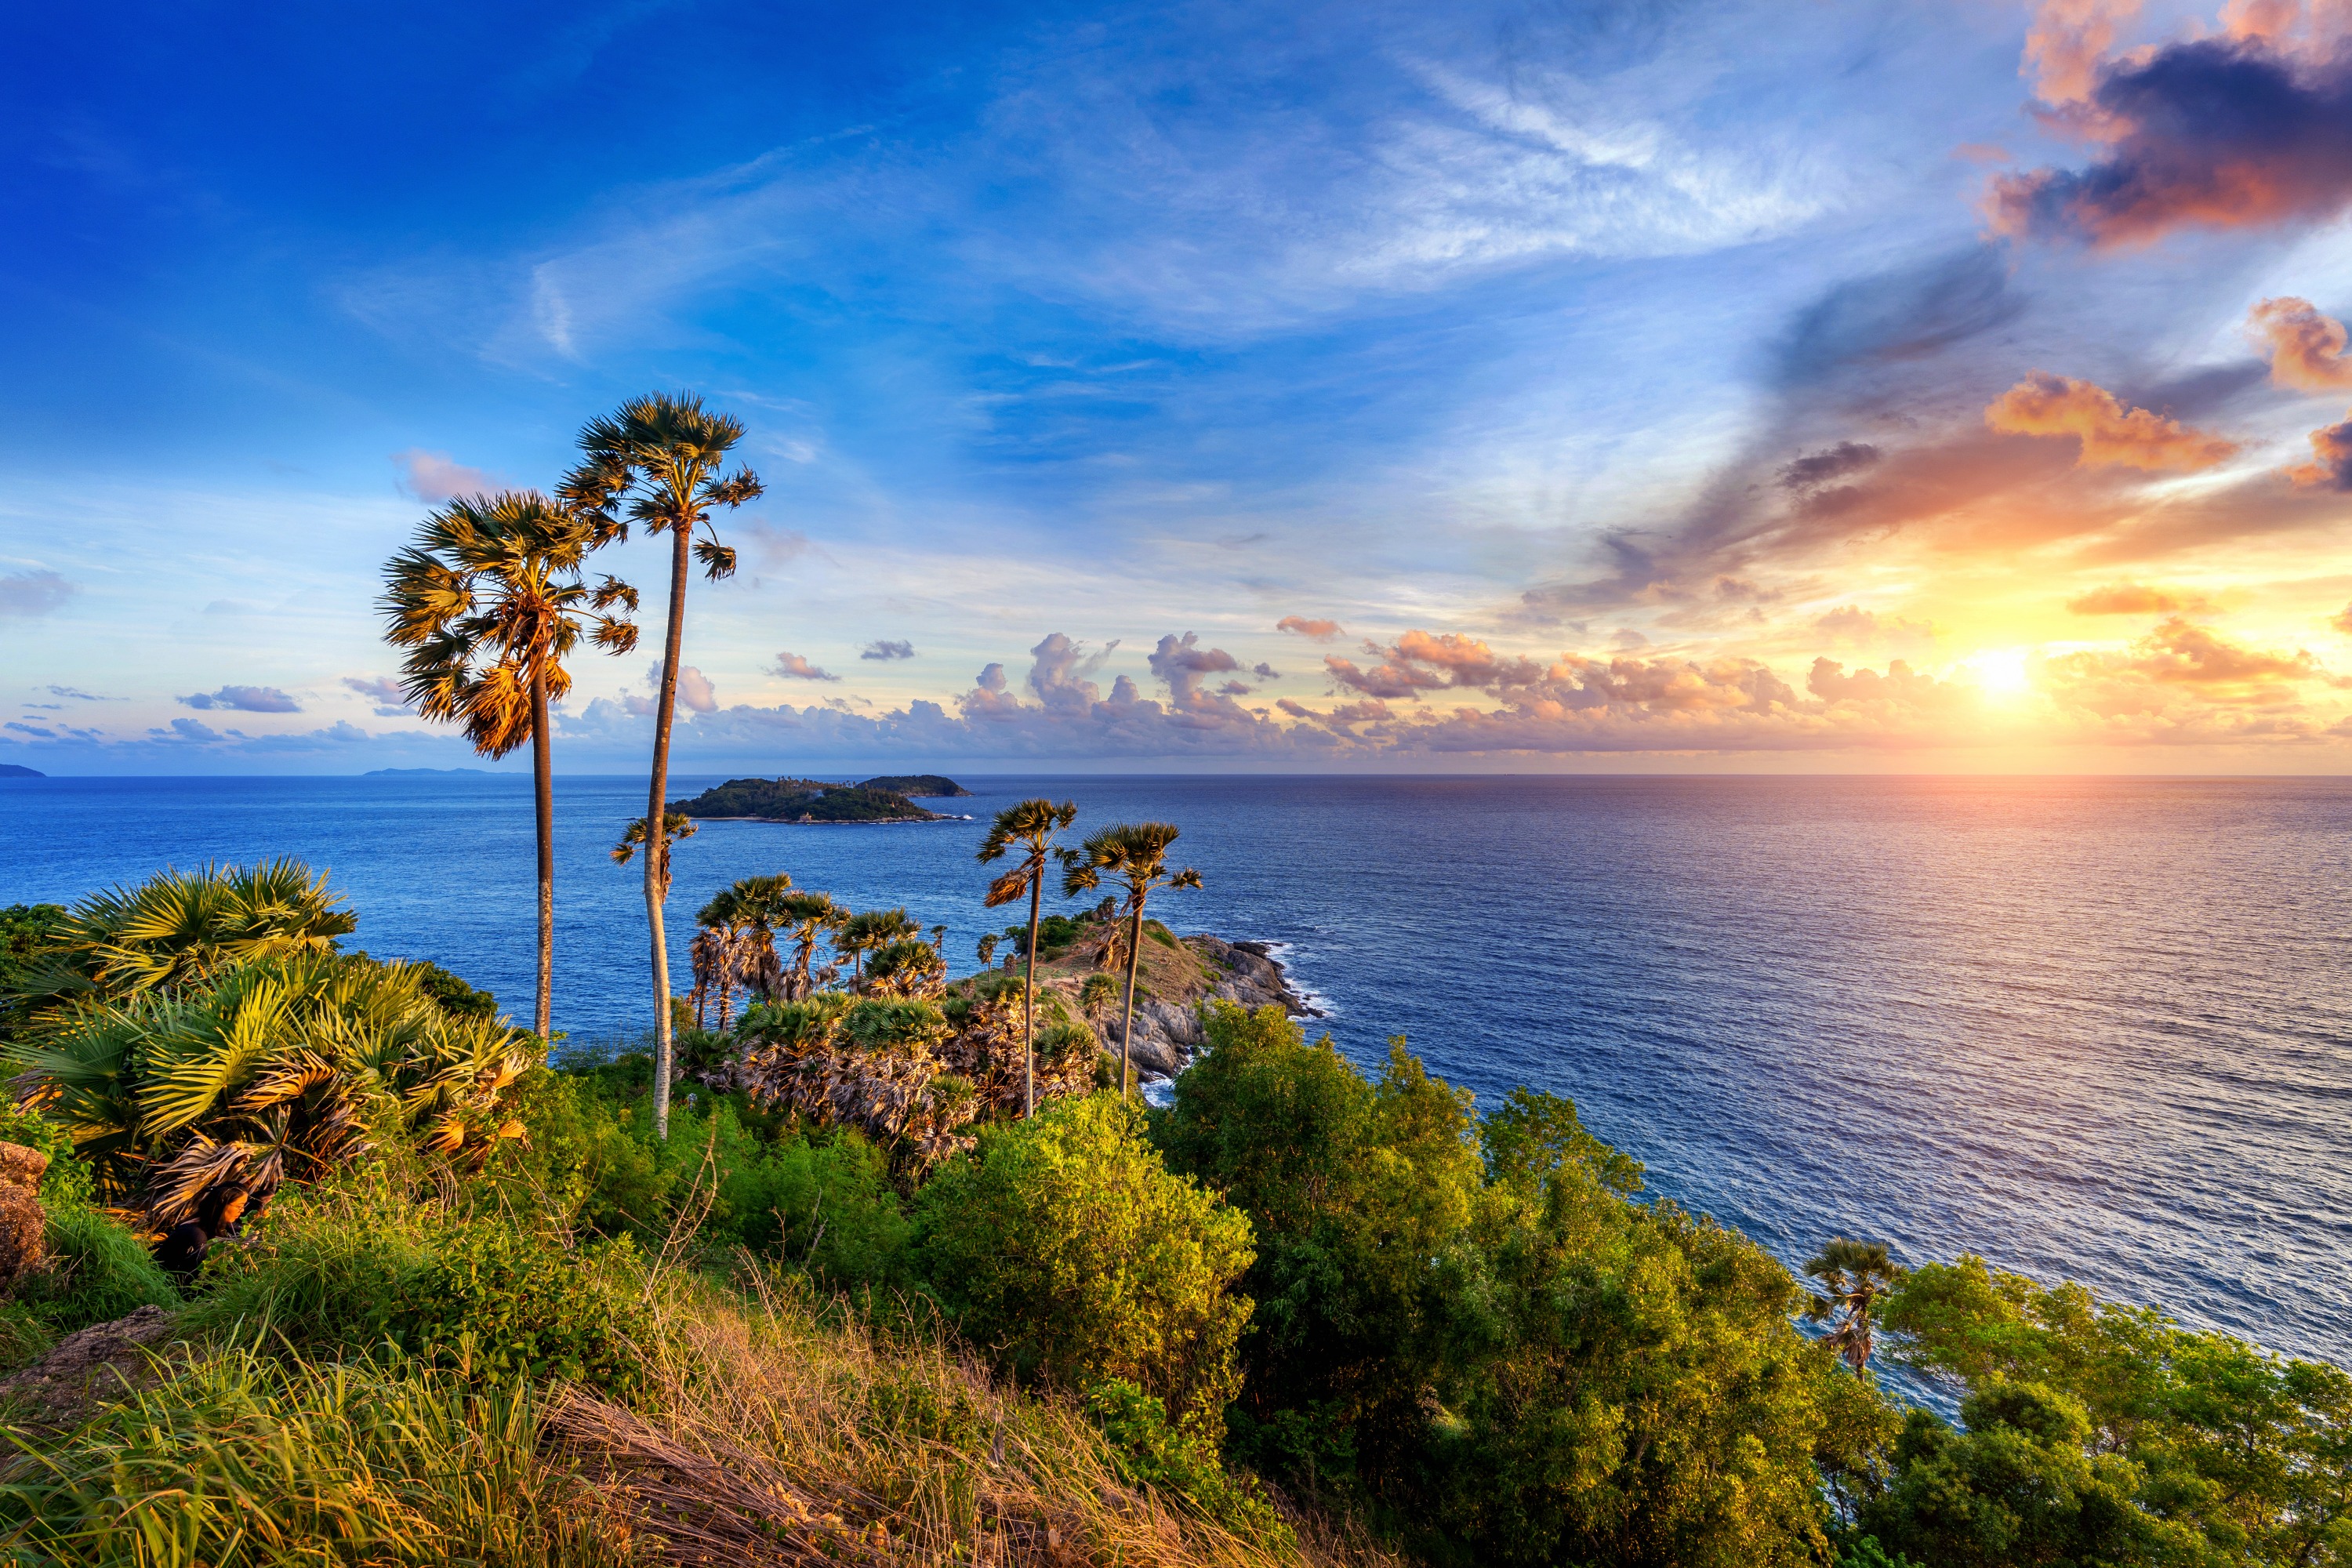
(1175, 976)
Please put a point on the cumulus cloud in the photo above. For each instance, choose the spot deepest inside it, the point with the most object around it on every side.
(693, 687)
(794, 667)
(1853, 622)
(2305, 349)
(191, 730)
(1266, 672)
(2342, 621)
(2181, 683)
(2111, 433)
(2180, 651)
(1059, 671)
(2331, 468)
(434, 477)
(2065, 44)
(26, 594)
(2243, 129)
(884, 649)
(2132, 599)
(245, 699)
(37, 731)
(1421, 661)
(1312, 630)
(382, 691)
(1185, 666)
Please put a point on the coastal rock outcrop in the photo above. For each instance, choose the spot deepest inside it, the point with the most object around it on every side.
(84, 1369)
(1176, 976)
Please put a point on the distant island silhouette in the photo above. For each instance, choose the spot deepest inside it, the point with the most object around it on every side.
(13, 770)
(813, 800)
(424, 773)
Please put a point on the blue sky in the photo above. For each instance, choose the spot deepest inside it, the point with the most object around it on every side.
(1064, 334)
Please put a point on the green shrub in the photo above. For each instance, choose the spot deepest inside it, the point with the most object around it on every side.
(497, 1303)
(1146, 1450)
(321, 1269)
(1064, 1249)
(67, 1178)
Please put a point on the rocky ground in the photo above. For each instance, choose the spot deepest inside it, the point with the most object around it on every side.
(1173, 981)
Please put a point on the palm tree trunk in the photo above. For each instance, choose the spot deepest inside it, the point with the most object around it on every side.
(1029, 997)
(543, 778)
(1126, 1025)
(656, 842)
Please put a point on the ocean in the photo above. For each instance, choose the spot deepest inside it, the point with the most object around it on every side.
(2093, 1029)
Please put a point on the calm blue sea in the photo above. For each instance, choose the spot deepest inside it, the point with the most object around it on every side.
(2099, 1028)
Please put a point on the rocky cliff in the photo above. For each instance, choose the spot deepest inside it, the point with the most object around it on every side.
(1175, 976)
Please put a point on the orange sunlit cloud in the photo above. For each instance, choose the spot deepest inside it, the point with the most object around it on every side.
(2046, 404)
(2305, 349)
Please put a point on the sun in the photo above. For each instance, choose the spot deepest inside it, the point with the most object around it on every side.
(2001, 672)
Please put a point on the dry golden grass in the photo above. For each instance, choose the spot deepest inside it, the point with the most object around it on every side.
(781, 1431)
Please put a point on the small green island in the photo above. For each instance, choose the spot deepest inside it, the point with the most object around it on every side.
(813, 800)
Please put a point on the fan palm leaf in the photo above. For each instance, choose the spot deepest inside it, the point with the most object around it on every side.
(1135, 856)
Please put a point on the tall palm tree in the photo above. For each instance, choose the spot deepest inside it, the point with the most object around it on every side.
(488, 601)
(1853, 1275)
(1135, 856)
(807, 917)
(663, 456)
(1032, 826)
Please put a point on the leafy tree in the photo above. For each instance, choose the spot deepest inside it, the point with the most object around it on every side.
(1065, 1249)
(490, 603)
(986, 950)
(1032, 828)
(2019, 1488)
(179, 930)
(662, 459)
(1134, 855)
(1853, 1275)
(2251, 1451)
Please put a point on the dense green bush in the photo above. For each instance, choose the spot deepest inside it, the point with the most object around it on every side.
(1063, 1247)
(1147, 1449)
(1482, 1338)
(96, 1270)
(495, 1302)
(2097, 1432)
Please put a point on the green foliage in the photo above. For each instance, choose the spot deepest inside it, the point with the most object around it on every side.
(1530, 1136)
(28, 932)
(458, 998)
(497, 1302)
(1863, 1551)
(1064, 1249)
(1148, 1450)
(824, 1204)
(1056, 936)
(67, 1178)
(2101, 1429)
(1472, 1328)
